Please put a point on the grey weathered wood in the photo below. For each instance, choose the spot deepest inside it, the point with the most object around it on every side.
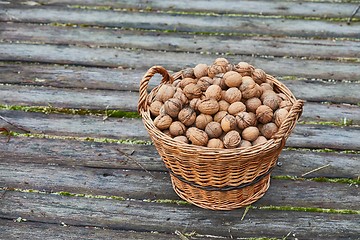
(141, 216)
(39, 231)
(180, 42)
(307, 136)
(141, 185)
(182, 23)
(67, 153)
(285, 8)
(139, 59)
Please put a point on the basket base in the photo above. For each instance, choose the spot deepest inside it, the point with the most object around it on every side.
(221, 200)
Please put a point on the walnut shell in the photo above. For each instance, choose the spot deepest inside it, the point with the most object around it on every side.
(179, 94)
(163, 122)
(236, 108)
(192, 90)
(223, 105)
(245, 119)
(214, 91)
(209, 106)
(213, 70)
(172, 107)
(176, 83)
(250, 133)
(155, 108)
(252, 104)
(186, 81)
(220, 115)
(167, 132)
(232, 139)
(259, 140)
(187, 116)
(286, 105)
(202, 120)
(271, 101)
(200, 70)
(280, 115)
(266, 86)
(269, 129)
(181, 139)
(223, 63)
(165, 92)
(244, 68)
(197, 136)
(194, 103)
(264, 114)
(245, 143)
(215, 143)
(213, 130)
(249, 88)
(232, 79)
(228, 123)
(187, 73)
(177, 128)
(232, 95)
(267, 93)
(259, 76)
(204, 83)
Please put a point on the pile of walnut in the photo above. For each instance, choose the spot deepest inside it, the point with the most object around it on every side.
(220, 106)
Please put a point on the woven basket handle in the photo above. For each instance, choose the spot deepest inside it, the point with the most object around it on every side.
(145, 81)
(288, 125)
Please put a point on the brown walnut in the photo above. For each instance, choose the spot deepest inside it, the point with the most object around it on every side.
(200, 70)
(209, 106)
(163, 122)
(213, 130)
(232, 95)
(245, 119)
(215, 143)
(264, 114)
(197, 136)
(187, 116)
(172, 107)
(269, 129)
(232, 139)
(177, 128)
(202, 120)
(250, 133)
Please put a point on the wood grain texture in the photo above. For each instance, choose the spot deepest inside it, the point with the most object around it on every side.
(129, 215)
(306, 136)
(180, 42)
(181, 23)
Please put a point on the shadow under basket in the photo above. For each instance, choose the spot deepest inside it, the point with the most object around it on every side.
(217, 179)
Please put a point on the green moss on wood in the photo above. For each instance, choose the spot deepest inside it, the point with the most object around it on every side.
(319, 179)
(322, 150)
(308, 209)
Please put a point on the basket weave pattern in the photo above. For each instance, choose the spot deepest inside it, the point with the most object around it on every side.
(218, 179)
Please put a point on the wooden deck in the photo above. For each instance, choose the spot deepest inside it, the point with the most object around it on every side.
(70, 72)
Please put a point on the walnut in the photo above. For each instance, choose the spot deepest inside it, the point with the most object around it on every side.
(204, 83)
(249, 88)
(179, 94)
(214, 91)
(223, 105)
(181, 139)
(197, 136)
(259, 76)
(245, 143)
(259, 140)
(236, 108)
(245, 119)
(250, 133)
(232, 79)
(155, 108)
(165, 92)
(266, 86)
(214, 70)
(232, 139)
(202, 120)
(286, 105)
(228, 123)
(200, 70)
(187, 116)
(264, 114)
(215, 143)
(252, 104)
(220, 115)
(186, 81)
(176, 83)
(192, 90)
(172, 107)
(163, 122)
(167, 132)
(187, 73)
(244, 68)
(282, 96)
(280, 115)
(269, 129)
(267, 93)
(177, 128)
(232, 95)
(194, 103)
(272, 101)
(213, 129)
(223, 63)
(209, 106)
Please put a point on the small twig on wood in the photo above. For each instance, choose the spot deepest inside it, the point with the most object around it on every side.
(353, 14)
(245, 212)
(181, 236)
(7, 132)
(137, 163)
(314, 170)
(15, 125)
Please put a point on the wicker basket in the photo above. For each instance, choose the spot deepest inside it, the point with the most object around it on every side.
(217, 179)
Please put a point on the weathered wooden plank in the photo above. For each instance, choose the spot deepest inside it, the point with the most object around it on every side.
(307, 136)
(69, 153)
(179, 42)
(284, 8)
(171, 60)
(182, 23)
(38, 231)
(135, 215)
(141, 185)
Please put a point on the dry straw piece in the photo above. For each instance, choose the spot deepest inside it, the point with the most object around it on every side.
(217, 178)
